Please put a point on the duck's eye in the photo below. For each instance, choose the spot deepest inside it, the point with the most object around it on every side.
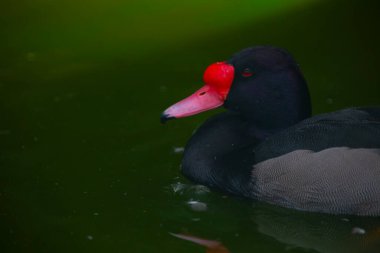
(247, 72)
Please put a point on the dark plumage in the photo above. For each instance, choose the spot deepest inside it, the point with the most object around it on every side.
(267, 147)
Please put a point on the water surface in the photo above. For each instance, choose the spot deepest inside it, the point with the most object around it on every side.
(86, 165)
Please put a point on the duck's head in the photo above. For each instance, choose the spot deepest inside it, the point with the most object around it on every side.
(263, 84)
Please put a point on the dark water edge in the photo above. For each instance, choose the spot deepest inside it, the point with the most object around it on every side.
(85, 164)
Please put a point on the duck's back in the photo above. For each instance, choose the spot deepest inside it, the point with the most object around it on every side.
(328, 163)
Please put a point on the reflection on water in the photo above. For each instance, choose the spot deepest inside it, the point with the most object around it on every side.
(322, 233)
(234, 219)
(210, 245)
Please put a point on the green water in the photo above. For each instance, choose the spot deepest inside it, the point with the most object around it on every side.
(85, 165)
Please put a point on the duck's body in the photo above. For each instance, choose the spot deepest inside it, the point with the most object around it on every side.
(328, 163)
(266, 146)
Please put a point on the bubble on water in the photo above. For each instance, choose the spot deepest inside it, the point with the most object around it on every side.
(90, 237)
(178, 150)
(178, 187)
(358, 231)
(197, 205)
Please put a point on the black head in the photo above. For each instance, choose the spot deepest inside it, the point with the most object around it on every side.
(262, 84)
(268, 88)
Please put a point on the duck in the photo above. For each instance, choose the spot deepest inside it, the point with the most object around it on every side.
(266, 146)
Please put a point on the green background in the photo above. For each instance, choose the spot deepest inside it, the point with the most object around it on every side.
(85, 165)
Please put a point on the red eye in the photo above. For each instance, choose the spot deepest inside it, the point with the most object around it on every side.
(247, 72)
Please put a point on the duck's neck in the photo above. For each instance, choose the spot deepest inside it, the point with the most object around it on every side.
(220, 154)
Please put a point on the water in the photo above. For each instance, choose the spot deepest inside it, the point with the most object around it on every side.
(86, 165)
